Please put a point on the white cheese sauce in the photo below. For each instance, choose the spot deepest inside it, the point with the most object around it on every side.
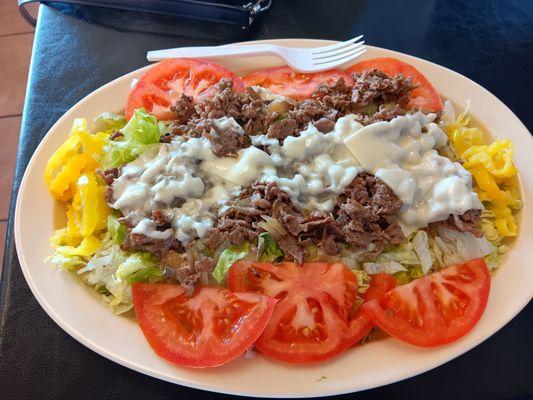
(188, 182)
(403, 153)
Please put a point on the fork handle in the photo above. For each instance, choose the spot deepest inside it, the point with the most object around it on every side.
(215, 51)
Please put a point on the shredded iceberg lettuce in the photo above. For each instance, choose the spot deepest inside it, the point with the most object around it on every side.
(227, 258)
(452, 247)
(390, 267)
(421, 247)
(267, 249)
(140, 133)
(422, 253)
(109, 120)
(111, 270)
(116, 230)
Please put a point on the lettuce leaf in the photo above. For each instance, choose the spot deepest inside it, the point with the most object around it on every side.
(116, 230)
(110, 121)
(227, 258)
(267, 249)
(140, 133)
(111, 271)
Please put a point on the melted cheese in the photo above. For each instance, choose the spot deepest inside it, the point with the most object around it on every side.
(403, 153)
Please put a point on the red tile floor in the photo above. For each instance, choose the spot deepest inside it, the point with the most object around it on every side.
(16, 39)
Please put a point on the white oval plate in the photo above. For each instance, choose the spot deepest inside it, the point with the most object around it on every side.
(75, 307)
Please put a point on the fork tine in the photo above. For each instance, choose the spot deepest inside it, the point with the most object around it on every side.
(339, 61)
(332, 47)
(340, 51)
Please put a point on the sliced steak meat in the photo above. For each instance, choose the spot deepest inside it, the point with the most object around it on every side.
(376, 87)
(283, 129)
(183, 109)
(140, 242)
(366, 214)
(188, 268)
(337, 95)
(374, 97)
(324, 125)
(470, 221)
(226, 141)
(109, 175)
(115, 135)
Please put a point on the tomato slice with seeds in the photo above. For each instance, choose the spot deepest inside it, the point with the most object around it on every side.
(436, 309)
(167, 80)
(360, 325)
(311, 320)
(211, 328)
(285, 81)
(423, 97)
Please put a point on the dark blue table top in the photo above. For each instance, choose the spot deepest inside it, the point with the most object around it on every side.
(78, 49)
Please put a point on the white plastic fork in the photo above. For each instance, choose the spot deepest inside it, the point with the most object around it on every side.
(312, 59)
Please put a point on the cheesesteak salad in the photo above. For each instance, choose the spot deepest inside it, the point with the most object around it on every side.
(285, 212)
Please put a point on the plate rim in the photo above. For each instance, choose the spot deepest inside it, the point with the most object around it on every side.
(80, 337)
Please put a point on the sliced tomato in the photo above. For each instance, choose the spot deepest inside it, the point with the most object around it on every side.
(287, 82)
(211, 328)
(423, 97)
(360, 325)
(159, 88)
(311, 320)
(379, 285)
(436, 309)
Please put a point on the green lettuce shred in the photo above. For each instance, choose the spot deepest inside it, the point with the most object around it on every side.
(116, 230)
(140, 133)
(227, 258)
(110, 121)
(267, 249)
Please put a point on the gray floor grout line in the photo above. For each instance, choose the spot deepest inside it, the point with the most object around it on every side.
(16, 34)
(10, 116)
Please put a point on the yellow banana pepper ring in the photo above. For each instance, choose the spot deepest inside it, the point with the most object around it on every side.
(62, 186)
(487, 183)
(88, 246)
(497, 158)
(464, 138)
(91, 199)
(506, 226)
(66, 150)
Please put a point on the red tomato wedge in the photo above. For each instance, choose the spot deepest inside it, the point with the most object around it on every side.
(436, 309)
(162, 84)
(311, 320)
(379, 285)
(424, 97)
(287, 82)
(360, 324)
(211, 328)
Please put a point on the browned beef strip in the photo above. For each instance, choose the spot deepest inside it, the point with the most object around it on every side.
(374, 97)
(183, 109)
(365, 213)
(470, 221)
(140, 242)
(226, 142)
(159, 247)
(109, 175)
(116, 135)
(283, 129)
(324, 125)
(376, 87)
(188, 268)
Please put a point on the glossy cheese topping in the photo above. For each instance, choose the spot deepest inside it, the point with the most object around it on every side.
(403, 153)
(188, 182)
